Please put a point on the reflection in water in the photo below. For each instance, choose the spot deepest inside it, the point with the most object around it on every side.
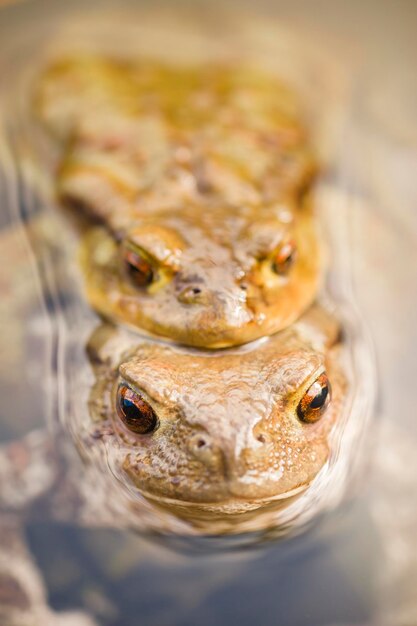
(115, 575)
(359, 567)
(119, 575)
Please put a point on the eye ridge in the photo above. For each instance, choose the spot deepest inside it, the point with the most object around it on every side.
(135, 412)
(315, 400)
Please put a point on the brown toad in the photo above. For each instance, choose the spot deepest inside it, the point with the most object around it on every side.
(201, 177)
(217, 435)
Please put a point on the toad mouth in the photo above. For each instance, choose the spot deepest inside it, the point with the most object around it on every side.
(229, 506)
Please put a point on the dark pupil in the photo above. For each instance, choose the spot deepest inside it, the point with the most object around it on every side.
(138, 416)
(320, 398)
(139, 269)
(131, 411)
(315, 400)
(284, 259)
(288, 259)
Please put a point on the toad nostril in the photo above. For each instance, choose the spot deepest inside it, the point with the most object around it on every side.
(199, 444)
(191, 295)
(261, 438)
(203, 449)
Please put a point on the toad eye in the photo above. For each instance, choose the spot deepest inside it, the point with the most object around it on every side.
(138, 267)
(284, 257)
(137, 414)
(315, 400)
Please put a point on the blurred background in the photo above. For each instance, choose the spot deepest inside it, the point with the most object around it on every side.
(360, 566)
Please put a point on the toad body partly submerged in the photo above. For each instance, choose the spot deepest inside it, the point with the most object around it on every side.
(201, 178)
(181, 442)
(220, 435)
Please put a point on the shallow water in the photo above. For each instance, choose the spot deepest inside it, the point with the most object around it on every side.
(358, 566)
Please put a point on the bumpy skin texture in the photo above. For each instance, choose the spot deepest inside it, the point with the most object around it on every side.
(204, 169)
(158, 134)
(215, 284)
(229, 438)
